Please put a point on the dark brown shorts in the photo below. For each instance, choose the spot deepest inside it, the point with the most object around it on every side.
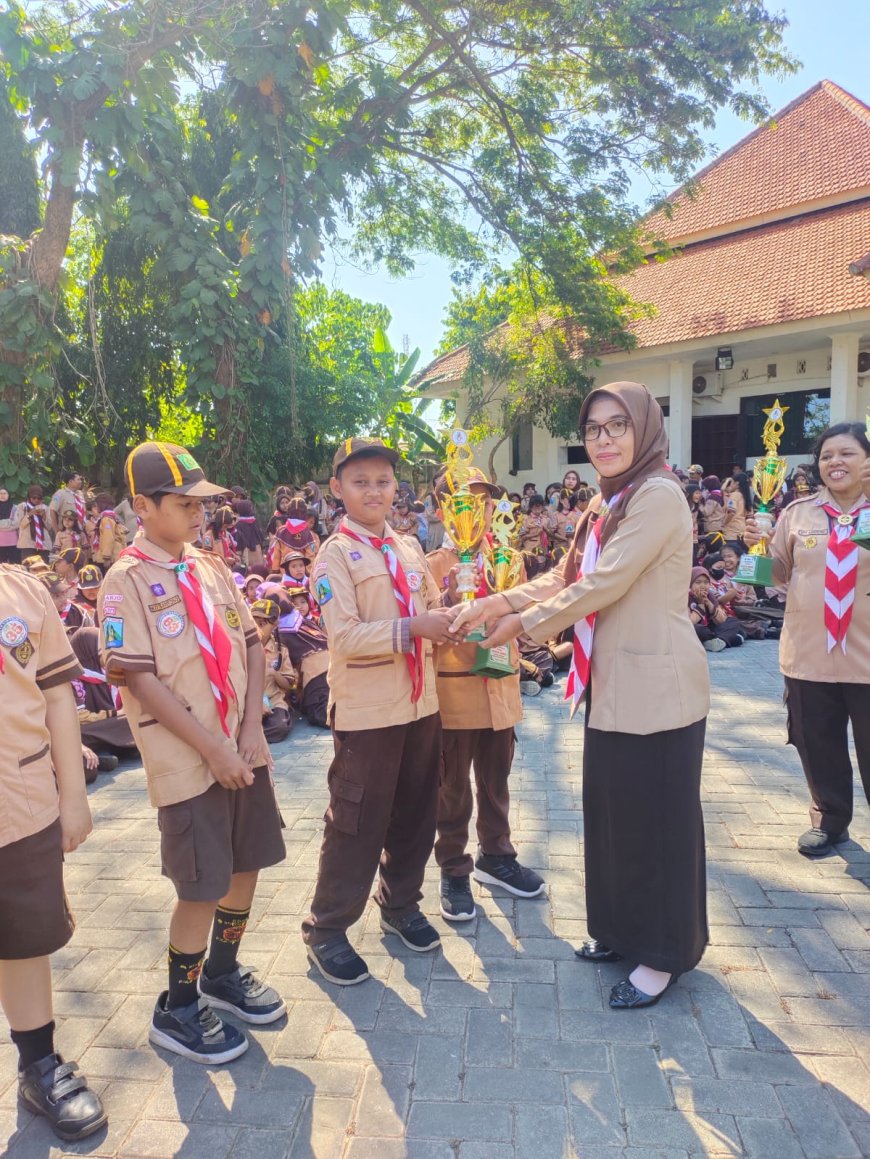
(35, 918)
(207, 839)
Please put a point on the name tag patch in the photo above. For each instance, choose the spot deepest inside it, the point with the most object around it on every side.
(13, 632)
(171, 624)
(162, 605)
(323, 590)
(113, 632)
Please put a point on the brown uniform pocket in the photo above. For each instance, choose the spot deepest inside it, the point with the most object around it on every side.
(177, 844)
(345, 804)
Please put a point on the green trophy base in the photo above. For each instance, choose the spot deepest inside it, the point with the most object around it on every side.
(862, 530)
(493, 662)
(755, 571)
(475, 636)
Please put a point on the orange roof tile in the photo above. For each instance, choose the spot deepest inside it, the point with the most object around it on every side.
(816, 147)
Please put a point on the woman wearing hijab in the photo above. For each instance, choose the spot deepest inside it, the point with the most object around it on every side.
(737, 497)
(824, 650)
(637, 659)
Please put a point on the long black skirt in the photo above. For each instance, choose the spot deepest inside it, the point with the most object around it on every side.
(646, 873)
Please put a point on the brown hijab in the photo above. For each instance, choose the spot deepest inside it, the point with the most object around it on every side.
(649, 462)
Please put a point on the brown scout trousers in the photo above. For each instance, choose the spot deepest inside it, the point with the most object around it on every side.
(491, 751)
(383, 798)
(818, 722)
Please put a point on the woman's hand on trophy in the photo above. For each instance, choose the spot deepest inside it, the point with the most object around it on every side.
(453, 593)
(752, 535)
(503, 631)
(476, 612)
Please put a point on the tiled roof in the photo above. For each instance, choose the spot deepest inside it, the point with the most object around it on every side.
(816, 147)
(785, 272)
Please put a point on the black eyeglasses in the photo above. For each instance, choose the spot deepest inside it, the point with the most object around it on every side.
(614, 429)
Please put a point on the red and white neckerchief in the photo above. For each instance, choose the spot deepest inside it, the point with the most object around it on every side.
(841, 573)
(296, 526)
(91, 676)
(229, 543)
(584, 630)
(214, 644)
(404, 598)
(79, 501)
(37, 527)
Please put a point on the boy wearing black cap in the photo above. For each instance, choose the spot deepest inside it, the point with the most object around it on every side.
(375, 593)
(178, 638)
(277, 714)
(308, 648)
(90, 582)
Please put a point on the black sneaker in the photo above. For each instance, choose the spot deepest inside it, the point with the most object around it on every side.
(338, 961)
(243, 994)
(414, 930)
(507, 872)
(457, 904)
(195, 1032)
(819, 843)
(56, 1090)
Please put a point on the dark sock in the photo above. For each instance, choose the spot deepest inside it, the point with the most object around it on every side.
(184, 970)
(33, 1044)
(226, 933)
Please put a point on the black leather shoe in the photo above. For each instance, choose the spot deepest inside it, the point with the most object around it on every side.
(594, 951)
(819, 843)
(626, 996)
(56, 1090)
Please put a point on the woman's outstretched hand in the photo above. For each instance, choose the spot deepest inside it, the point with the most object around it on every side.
(472, 614)
(503, 631)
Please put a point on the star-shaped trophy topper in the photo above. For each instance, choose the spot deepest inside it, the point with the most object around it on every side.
(774, 428)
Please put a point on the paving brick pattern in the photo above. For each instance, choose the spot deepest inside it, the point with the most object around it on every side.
(501, 1046)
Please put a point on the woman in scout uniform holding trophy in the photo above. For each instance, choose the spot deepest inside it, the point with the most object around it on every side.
(478, 694)
(825, 643)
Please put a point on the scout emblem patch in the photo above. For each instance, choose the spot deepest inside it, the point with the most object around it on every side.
(113, 632)
(323, 590)
(415, 581)
(171, 624)
(233, 619)
(158, 589)
(23, 653)
(13, 632)
(355, 555)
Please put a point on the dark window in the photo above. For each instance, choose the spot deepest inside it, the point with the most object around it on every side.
(577, 456)
(521, 448)
(808, 415)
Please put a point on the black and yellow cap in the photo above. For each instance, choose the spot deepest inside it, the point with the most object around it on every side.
(264, 610)
(90, 576)
(354, 448)
(168, 469)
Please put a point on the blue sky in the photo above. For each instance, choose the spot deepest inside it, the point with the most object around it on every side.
(830, 39)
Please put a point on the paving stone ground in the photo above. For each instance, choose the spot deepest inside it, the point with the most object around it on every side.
(501, 1046)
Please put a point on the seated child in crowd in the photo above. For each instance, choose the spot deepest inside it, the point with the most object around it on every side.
(278, 717)
(716, 630)
(103, 723)
(306, 644)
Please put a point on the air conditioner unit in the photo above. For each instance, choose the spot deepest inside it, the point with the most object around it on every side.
(704, 386)
(863, 361)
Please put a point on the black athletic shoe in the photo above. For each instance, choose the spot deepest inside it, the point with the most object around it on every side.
(243, 994)
(195, 1032)
(338, 961)
(457, 904)
(56, 1090)
(414, 930)
(819, 843)
(507, 872)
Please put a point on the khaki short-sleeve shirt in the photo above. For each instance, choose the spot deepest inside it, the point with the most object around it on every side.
(145, 627)
(35, 656)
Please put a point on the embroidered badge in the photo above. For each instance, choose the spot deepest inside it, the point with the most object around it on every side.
(113, 598)
(113, 632)
(811, 541)
(13, 632)
(355, 555)
(158, 589)
(187, 460)
(171, 624)
(23, 653)
(323, 590)
(162, 605)
(415, 581)
(233, 619)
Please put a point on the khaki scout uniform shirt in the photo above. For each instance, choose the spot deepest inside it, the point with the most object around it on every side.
(277, 697)
(145, 628)
(36, 656)
(465, 700)
(369, 681)
(799, 548)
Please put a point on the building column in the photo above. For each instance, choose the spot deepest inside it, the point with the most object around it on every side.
(680, 424)
(844, 378)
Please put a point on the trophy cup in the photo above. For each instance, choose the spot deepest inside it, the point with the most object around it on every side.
(768, 476)
(464, 516)
(862, 527)
(503, 566)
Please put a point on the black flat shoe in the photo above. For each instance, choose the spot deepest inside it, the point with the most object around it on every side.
(626, 996)
(594, 951)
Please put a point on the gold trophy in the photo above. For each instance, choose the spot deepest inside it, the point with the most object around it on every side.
(464, 516)
(768, 476)
(503, 566)
(862, 527)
